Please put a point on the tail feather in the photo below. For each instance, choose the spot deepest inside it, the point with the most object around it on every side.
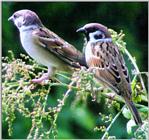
(134, 111)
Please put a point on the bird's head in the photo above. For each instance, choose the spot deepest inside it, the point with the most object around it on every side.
(95, 31)
(25, 18)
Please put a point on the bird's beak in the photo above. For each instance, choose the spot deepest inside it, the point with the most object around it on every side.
(81, 30)
(10, 18)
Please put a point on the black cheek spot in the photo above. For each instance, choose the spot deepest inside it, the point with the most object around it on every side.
(98, 36)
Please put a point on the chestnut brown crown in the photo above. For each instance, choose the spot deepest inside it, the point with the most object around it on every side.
(93, 27)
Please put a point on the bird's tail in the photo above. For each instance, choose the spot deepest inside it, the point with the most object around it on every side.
(134, 111)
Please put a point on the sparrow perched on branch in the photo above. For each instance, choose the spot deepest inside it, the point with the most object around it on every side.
(45, 46)
(103, 57)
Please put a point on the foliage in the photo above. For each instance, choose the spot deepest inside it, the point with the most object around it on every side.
(34, 102)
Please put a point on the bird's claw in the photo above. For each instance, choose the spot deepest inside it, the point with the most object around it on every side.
(42, 80)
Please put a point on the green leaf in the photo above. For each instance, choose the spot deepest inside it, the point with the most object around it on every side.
(126, 113)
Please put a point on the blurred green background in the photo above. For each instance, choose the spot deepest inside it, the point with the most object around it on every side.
(64, 18)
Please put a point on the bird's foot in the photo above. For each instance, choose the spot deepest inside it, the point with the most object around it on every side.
(42, 80)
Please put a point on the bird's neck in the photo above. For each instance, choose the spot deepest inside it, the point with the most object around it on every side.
(28, 28)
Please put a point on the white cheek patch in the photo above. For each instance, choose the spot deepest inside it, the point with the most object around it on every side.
(19, 21)
(91, 35)
(92, 38)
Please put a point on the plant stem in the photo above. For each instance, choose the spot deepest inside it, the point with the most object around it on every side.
(136, 67)
(63, 100)
(64, 85)
(64, 76)
(113, 96)
(112, 122)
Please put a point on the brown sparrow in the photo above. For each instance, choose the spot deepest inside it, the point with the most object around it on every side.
(45, 46)
(104, 58)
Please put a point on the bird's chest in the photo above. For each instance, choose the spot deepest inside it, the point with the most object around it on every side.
(88, 52)
(93, 54)
(37, 52)
(28, 45)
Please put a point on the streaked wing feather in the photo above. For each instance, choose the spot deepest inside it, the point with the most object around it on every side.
(56, 45)
(107, 58)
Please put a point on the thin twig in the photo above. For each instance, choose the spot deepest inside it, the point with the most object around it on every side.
(112, 122)
(145, 73)
(63, 100)
(64, 76)
(117, 98)
(64, 85)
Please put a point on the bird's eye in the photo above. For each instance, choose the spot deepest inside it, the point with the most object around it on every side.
(99, 36)
(15, 16)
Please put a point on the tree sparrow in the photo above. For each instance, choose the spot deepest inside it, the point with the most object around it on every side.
(45, 46)
(104, 58)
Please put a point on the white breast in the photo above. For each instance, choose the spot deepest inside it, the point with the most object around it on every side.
(88, 52)
(40, 54)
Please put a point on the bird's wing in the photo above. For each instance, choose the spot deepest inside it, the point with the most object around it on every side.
(109, 64)
(60, 48)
